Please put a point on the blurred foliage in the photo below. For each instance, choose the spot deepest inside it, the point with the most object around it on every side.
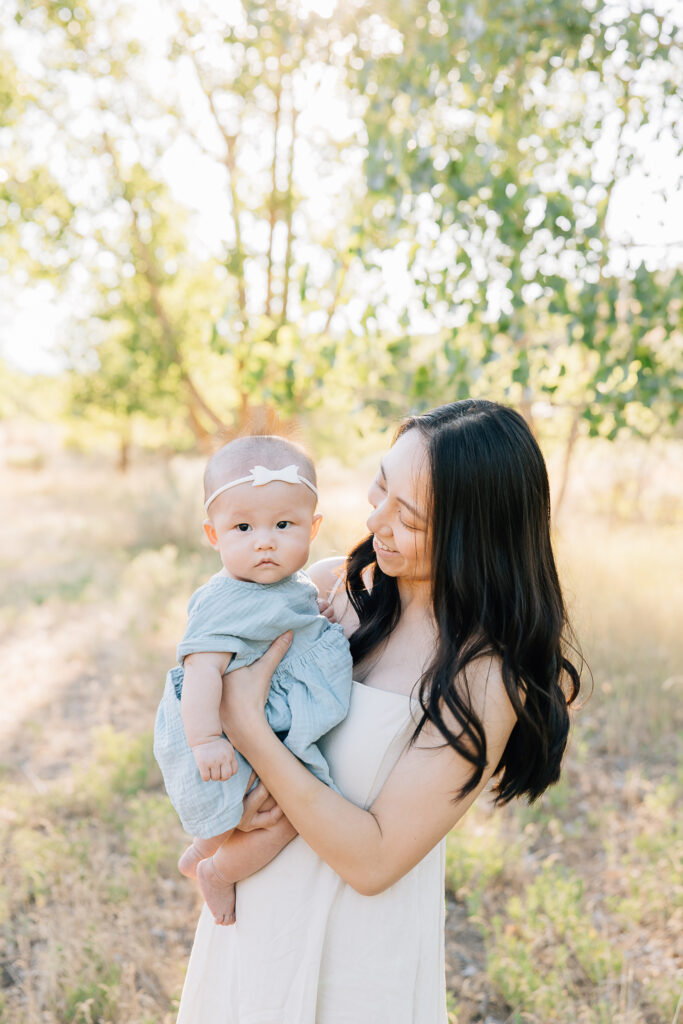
(496, 138)
(446, 230)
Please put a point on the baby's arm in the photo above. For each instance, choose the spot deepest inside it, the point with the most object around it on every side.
(200, 701)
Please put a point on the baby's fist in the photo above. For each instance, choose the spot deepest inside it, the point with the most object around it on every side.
(216, 760)
(326, 609)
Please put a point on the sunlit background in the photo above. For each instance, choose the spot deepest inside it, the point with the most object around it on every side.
(316, 217)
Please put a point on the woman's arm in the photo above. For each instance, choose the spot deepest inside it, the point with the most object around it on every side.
(370, 849)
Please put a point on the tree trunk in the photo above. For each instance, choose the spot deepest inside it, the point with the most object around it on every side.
(569, 448)
(526, 410)
(203, 436)
(124, 451)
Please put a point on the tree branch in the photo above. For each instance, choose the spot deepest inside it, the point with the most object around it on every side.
(289, 211)
(173, 353)
(230, 163)
(273, 204)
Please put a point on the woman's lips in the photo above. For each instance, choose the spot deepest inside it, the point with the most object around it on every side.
(378, 546)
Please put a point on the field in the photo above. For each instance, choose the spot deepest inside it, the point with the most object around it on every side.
(566, 911)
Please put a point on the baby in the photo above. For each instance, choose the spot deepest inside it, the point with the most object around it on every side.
(260, 500)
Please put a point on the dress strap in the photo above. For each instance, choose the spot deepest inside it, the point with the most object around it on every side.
(333, 593)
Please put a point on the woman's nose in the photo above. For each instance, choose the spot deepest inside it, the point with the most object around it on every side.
(375, 521)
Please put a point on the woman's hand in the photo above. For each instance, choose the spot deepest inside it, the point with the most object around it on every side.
(260, 810)
(245, 692)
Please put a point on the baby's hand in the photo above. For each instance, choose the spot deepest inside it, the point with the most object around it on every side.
(326, 609)
(215, 759)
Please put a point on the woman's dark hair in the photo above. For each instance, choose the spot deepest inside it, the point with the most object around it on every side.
(495, 591)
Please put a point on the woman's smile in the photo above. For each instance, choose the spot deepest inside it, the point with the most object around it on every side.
(381, 547)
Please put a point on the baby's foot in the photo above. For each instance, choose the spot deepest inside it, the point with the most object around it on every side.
(199, 850)
(188, 861)
(218, 893)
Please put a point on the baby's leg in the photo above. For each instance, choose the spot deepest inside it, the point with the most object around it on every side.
(200, 849)
(243, 855)
(248, 852)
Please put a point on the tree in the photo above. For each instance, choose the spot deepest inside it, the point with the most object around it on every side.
(34, 207)
(477, 254)
(497, 138)
(252, 320)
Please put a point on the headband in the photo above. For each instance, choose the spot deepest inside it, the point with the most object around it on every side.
(260, 475)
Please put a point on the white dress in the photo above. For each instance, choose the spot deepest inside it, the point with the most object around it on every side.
(308, 949)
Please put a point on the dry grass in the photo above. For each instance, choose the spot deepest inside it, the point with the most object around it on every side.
(567, 911)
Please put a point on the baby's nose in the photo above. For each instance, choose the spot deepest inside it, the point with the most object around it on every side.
(264, 539)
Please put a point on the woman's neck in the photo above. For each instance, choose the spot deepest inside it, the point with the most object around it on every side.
(415, 595)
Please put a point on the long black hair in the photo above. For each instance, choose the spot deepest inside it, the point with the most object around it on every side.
(495, 591)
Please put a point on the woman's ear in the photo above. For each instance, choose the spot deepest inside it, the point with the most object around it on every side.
(210, 532)
(317, 520)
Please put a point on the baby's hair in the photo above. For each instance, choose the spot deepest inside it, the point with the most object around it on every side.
(238, 457)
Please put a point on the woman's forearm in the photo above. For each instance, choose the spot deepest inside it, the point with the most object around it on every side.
(417, 806)
(347, 837)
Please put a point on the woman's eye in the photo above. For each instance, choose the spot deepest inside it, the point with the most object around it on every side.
(243, 527)
(283, 524)
(372, 496)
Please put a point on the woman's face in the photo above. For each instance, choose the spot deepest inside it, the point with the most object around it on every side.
(399, 495)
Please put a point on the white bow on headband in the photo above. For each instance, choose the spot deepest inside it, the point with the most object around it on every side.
(260, 475)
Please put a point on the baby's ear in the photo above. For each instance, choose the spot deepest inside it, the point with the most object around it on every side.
(317, 520)
(210, 532)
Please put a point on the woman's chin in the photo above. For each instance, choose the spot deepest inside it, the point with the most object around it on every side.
(389, 564)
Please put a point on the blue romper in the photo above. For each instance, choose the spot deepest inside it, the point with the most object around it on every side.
(309, 694)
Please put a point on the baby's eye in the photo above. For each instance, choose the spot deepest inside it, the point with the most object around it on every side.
(243, 527)
(283, 524)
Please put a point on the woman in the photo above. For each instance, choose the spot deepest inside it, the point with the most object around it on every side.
(455, 618)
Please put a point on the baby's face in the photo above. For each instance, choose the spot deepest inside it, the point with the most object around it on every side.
(263, 533)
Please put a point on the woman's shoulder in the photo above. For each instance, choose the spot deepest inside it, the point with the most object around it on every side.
(487, 694)
(326, 574)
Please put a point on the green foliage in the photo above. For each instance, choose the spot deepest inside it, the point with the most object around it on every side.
(122, 765)
(652, 892)
(42, 854)
(486, 160)
(545, 945)
(225, 338)
(493, 141)
(475, 859)
(94, 996)
(150, 821)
